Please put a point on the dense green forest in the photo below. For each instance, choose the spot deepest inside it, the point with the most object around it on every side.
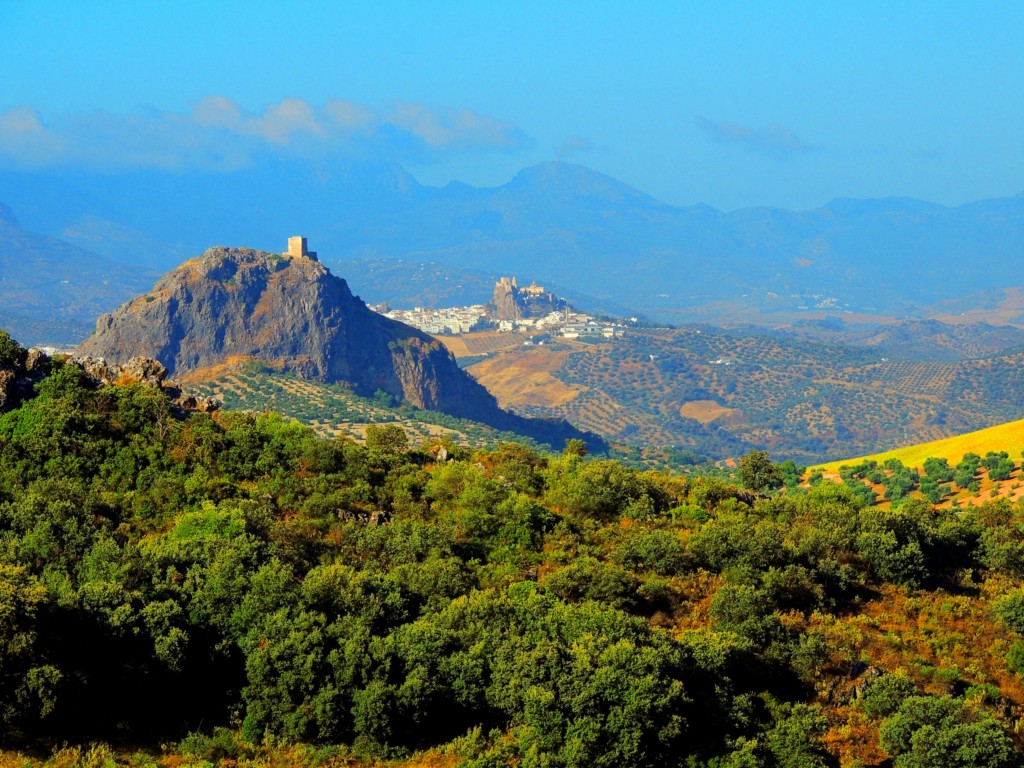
(197, 588)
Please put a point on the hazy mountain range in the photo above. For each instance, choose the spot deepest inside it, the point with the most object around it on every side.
(53, 291)
(596, 239)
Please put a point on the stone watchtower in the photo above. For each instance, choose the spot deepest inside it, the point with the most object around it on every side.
(297, 249)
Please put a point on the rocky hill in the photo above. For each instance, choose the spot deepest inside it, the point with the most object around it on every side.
(233, 303)
(510, 302)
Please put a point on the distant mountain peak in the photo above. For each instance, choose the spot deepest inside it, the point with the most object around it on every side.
(7, 216)
(372, 179)
(575, 179)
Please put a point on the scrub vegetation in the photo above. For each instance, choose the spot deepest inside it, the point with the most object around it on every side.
(234, 589)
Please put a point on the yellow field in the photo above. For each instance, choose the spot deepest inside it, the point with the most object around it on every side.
(1002, 437)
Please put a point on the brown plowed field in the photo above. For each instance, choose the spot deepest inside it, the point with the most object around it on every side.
(483, 343)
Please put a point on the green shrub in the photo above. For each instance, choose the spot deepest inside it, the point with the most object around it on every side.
(884, 695)
(1010, 608)
(940, 732)
(11, 353)
(1015, 658)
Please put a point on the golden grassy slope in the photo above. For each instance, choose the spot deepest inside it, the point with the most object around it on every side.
(1002, 437)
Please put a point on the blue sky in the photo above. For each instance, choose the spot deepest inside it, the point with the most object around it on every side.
(727, 103)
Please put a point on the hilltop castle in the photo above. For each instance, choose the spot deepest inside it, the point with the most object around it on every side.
(510, 302)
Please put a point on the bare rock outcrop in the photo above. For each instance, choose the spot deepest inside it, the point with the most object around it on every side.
(148, 373)
(510, 302)
(20, 370)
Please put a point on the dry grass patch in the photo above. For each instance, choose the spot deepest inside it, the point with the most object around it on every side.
(482, 343)
(525, 378)
(230, 365)
(1007, 311)
(455, 345)
(707, 411)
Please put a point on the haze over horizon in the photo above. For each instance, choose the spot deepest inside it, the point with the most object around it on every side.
(732, 104)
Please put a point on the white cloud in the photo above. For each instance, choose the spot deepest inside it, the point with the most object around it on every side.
(575, 145)
(24, 138)
(776, 140)
(282, 121)
(464, 129)
(216, 133)
(350, 116)
(217, 112)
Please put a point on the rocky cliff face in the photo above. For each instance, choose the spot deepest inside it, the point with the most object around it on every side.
(503, 303)
(510, 302)
(238, 302)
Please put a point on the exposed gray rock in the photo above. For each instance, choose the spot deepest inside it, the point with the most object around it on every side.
(7, 379)
(19, 373)
(35, 360)
(96, 368)
(147, 372)
(510, 302)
